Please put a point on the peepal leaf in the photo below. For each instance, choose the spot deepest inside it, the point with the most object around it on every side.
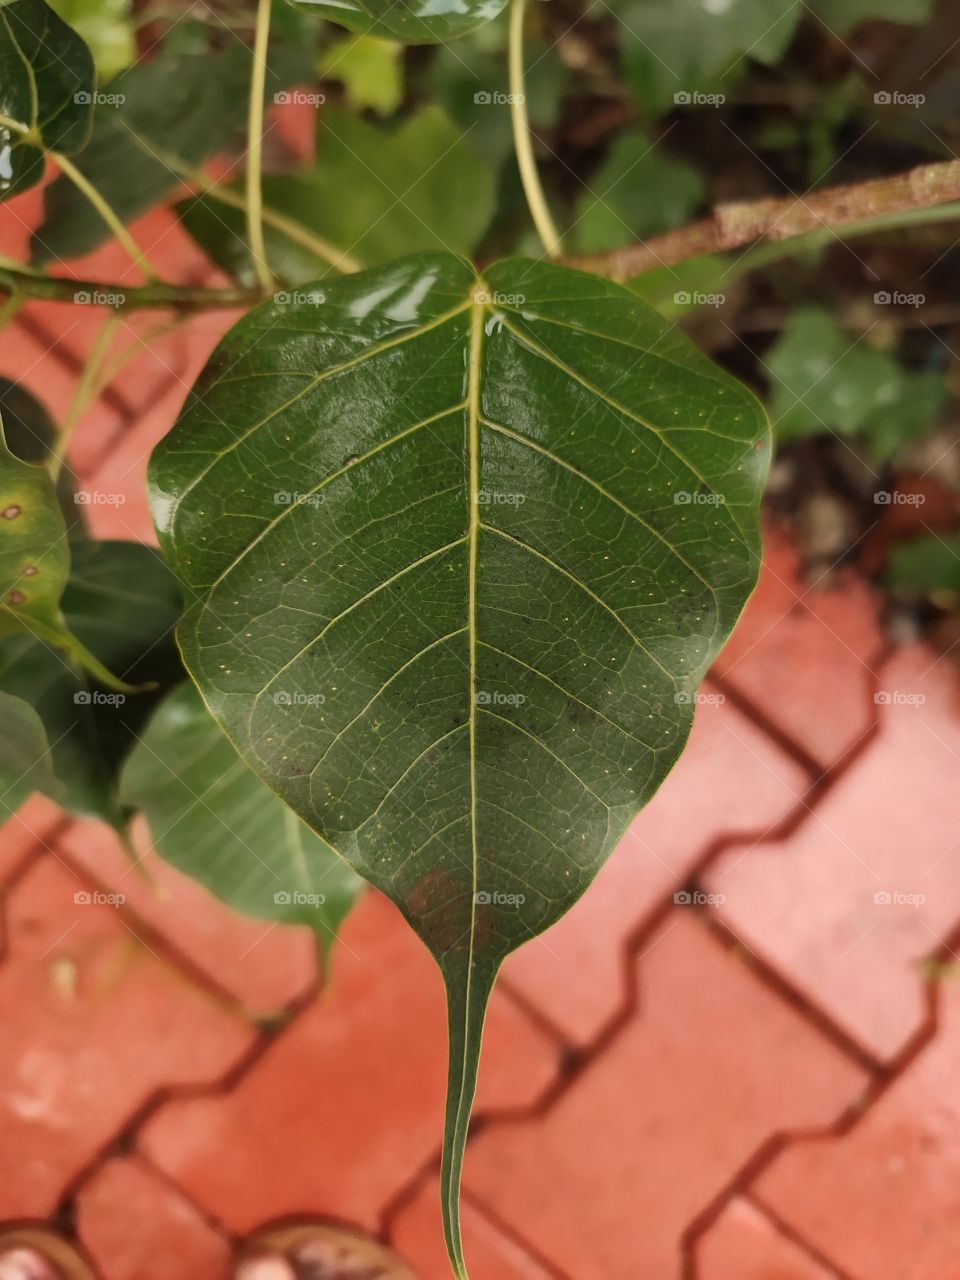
(413, 21)
(461, 551)
(214, 820)
(46, 91)
(24, 755)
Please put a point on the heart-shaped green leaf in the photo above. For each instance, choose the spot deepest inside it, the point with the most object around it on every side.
(46, 91)
(210, 817)
(463, 550)
(413, 21)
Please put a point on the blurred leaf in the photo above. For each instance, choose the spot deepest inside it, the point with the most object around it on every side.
(123, 603)
(374, 191)
(413, 21)
(35, 561)
(824, 380)
(188, 103)
(30, 433)
(25, 764)
(470, 81)
(686, 47)
(929, 563)
(46, 91)
(107, 28)
(214, 820)
(637, 191)
(370, 69)
(841, 16)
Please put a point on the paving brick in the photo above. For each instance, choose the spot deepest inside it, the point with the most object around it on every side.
(135, 1226)
(730, 780)
(804, 655)
(743, 1244)
(418, 1236)
(93, 1024)
(262, 966)
(606, 1182)
(346, 1106)
(26, 833)
(848, 906)
(882, 1202)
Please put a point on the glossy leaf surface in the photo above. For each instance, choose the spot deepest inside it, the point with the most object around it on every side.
(46, 91)
(187, 103)
(121, 603)
(413, 21)
(461, 552)
(214, 820)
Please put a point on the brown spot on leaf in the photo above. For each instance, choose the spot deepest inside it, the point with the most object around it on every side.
(11, 512)
(16, 597)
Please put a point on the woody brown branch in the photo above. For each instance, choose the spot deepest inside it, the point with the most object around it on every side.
(744, 222)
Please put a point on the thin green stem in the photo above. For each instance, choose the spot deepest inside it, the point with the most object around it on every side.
(83, 396)
(523, 145)
(9, 309)
(69, 169)
(20, 280)
(258, 80)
